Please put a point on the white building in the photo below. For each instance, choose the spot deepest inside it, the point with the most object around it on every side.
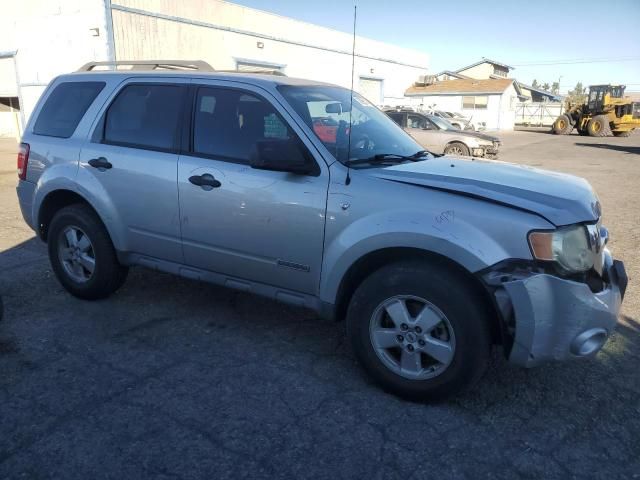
(40, 39)
(492, 101)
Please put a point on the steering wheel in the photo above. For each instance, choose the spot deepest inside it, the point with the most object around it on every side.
(363, 142)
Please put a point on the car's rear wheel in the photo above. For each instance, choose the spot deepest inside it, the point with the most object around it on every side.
(457, 148)
(419, 330)
(82, 255)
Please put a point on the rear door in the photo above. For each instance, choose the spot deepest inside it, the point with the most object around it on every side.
(132, 159)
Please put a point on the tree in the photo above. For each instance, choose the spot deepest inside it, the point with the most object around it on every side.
(546, 86)
(535, 83)
(555, 88)
(578, 94)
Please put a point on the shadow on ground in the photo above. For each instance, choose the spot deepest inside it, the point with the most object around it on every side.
(609, 146)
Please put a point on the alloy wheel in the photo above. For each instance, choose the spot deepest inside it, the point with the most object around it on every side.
(76, 254)
(412, 337)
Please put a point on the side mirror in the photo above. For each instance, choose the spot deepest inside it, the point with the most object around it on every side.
(282, 156)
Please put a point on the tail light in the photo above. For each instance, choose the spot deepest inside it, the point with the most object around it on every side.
(23, 160)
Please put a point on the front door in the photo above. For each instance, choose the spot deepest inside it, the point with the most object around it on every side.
(262, 226)
(133, 160)
(424, 132)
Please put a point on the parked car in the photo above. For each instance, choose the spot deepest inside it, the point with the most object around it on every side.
(457, 123)
(438, 136)
(222, 177)
(470, 123)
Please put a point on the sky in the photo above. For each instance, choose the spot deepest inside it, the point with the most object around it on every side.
(520, 33)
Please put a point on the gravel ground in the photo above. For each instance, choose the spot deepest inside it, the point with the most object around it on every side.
(174, 379)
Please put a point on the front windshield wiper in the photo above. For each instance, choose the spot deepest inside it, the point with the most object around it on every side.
(386, 157)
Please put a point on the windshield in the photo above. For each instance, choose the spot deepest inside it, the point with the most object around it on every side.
(441, 123)
(326, 110)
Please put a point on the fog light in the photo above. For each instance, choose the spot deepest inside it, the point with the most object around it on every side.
(477, 152)
(589, 342)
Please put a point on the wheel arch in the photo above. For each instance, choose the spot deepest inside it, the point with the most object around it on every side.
(56, 200)
(374, 260)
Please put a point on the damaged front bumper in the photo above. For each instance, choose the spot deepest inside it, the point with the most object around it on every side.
(553, 318)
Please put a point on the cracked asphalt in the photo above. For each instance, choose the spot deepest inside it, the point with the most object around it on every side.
(170, 378)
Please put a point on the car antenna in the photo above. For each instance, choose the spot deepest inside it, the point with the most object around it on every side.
(347, 180)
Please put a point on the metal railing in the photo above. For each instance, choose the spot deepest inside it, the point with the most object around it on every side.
(193, 65)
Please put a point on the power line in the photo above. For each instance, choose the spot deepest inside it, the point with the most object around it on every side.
(577, 61)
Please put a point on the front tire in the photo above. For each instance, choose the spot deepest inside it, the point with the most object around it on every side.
(457, 148)
(420, 330)
(562, 125)
(82, 255)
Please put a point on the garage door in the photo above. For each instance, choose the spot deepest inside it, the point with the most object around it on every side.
(371, 89)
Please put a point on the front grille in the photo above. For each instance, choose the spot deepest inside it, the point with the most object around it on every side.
(636, 110)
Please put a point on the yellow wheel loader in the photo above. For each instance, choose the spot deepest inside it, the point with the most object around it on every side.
(607, 112)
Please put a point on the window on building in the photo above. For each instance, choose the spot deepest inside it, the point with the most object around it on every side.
(501, 72)
(475, 103)
(65, 107)
(145, 116)
(229, 123)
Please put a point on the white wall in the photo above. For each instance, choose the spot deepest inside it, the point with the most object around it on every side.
(51, 37)
(499, 114)
(159, 29)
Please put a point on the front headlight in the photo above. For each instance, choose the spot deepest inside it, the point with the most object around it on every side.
(568, 246)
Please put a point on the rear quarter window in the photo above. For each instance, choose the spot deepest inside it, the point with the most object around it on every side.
(65, 107)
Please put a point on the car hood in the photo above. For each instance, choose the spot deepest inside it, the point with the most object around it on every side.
(467, 133)
(561, 199)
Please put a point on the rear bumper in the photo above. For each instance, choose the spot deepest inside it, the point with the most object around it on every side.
(25, 191)
(558, 319)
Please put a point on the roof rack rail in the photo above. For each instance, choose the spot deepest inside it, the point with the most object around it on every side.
(196, 65)
(275, 71)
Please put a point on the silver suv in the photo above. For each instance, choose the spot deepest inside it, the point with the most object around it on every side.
(299, 191)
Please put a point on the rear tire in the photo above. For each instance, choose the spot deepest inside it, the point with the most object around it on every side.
(457, 148)
(622, 134)
(598, 126)
(450, 312)
(562, 125)
(82, 255)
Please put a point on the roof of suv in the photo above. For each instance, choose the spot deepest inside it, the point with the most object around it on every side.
(252, 78)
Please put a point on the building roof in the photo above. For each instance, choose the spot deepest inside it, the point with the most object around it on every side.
(462, 87)
(451, 74)
(539, 90)
(486, 60)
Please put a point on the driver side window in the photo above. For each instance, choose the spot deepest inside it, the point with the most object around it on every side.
(418, 121)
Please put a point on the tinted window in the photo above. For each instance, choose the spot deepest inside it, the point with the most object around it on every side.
(229, 123)
(65, 107)
(397, 117)
(145, 116)
(416, 121)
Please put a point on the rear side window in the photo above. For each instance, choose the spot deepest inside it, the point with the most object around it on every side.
(65, 107)
(145, 116)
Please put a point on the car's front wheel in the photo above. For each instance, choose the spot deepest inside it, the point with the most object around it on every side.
(420, 330)
(457, 148)
(82, 255)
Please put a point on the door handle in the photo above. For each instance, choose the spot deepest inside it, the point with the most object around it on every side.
(205, 180)
(100, 163)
